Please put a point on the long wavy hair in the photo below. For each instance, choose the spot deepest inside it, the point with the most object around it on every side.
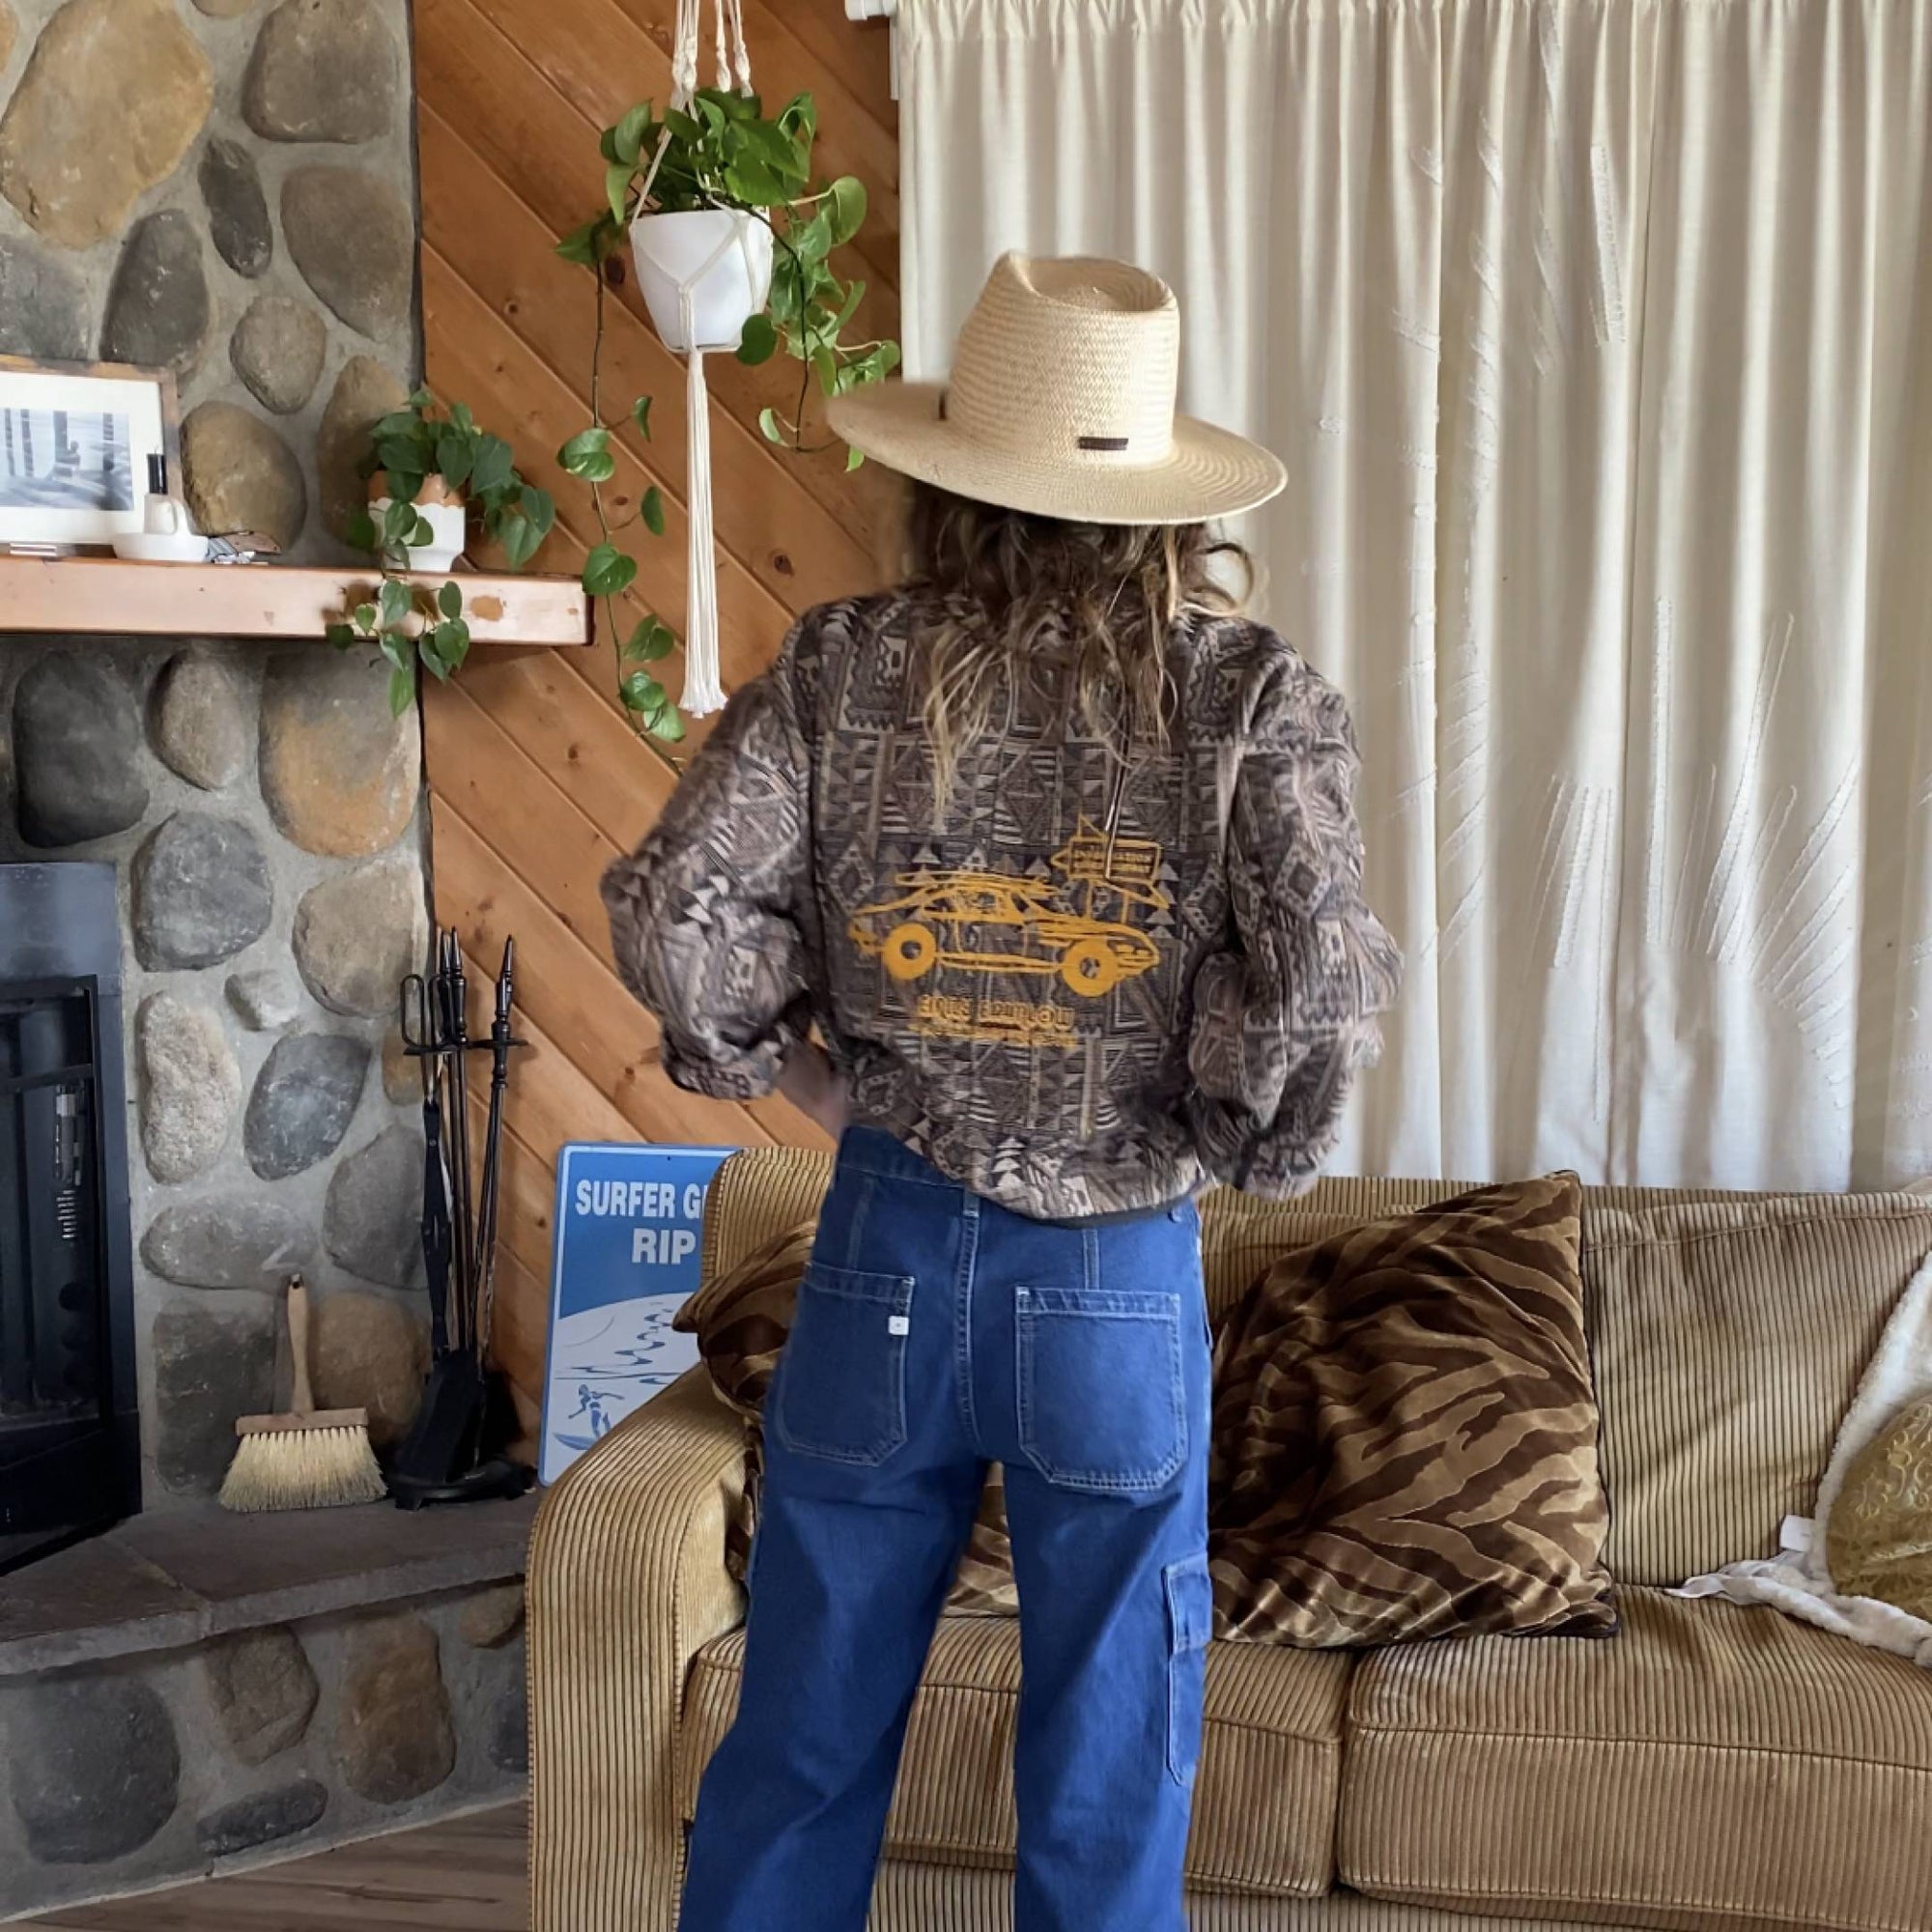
(991, 586)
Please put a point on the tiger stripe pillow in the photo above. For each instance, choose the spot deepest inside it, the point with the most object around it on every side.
(1405, 1440)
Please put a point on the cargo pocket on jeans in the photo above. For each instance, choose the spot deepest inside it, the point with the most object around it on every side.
(1101, 1405)
(1190, 1622)
(841, 1390)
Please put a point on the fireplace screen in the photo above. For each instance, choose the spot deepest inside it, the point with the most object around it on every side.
(68, 1437)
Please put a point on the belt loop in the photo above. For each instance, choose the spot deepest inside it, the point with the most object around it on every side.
(1090, 1257)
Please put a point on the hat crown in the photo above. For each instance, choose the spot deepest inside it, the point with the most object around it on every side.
(1076, 358)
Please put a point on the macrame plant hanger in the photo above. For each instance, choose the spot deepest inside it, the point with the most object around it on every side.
(704, 688)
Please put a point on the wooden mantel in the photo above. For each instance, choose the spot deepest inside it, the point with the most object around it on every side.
(104, 595)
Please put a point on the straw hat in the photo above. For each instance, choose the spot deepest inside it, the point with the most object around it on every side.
(1061, 402)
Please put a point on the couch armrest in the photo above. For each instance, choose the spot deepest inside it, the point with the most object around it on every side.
(626, 1583)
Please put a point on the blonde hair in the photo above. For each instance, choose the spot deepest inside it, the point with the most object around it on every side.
(989, 585)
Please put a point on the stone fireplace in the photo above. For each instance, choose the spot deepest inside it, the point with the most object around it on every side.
(227, 189)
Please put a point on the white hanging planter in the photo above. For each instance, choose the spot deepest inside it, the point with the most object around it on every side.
(718, 258)
(443, 512)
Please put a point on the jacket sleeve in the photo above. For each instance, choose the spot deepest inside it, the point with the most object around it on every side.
(1285, 1016)
(704, 916)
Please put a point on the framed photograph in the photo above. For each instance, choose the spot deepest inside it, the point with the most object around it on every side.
(74, 444)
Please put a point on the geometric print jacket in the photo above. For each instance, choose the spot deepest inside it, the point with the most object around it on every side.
(1086, 988)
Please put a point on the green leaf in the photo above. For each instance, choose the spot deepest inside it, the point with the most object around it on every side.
(587, 454)
(847, 206)
(447, 646)
(800, 116)
(768, 425)
(539, 509)
(606, 571)
(398, 521)
(607, 145)
(422, 534)
(422, 398)
(825, 366)
(341, 635)
(617, 187)
(395, 601)
(449, 599)
(888, 354)
(652, 639)
(492, 465)
(452, 458)
(398, 422)
(628, 136)
(667, 724)
(640, 414)
(652, 510)
(759, 340)
(520, 539)
(709, 111)
(401, 689)
(366, 619)
(853, 459)
(581, 243)
(361, 532)
(683, 126)
(749, 181)
(641, 692)
(461, 419)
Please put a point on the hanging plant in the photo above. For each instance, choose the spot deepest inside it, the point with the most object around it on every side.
(732, 249)
(426, 471)
(722, 153)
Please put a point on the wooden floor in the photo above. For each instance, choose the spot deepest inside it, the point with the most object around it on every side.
(465, 1875)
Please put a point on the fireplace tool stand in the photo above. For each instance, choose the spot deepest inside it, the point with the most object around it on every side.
(454, 1451)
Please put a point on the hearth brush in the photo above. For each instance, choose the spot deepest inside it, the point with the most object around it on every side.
(310, 1457)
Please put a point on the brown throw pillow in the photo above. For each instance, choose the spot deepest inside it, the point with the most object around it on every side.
(1404, 1437)
(741, 1322)
(1878, 1542)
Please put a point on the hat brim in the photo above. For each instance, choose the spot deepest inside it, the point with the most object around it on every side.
(1207, 473)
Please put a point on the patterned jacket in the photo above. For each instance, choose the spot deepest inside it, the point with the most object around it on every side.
(1096, 987)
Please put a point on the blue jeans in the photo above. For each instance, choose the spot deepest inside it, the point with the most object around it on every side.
(936, 1333)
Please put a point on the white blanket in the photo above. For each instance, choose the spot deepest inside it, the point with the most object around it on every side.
(1797, 1580)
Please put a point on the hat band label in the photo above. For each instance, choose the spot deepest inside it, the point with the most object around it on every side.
(1101, 443)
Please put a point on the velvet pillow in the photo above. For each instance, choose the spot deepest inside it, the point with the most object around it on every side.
(1405, 1440)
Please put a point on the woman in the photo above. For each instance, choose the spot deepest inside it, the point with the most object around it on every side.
(1057, 852)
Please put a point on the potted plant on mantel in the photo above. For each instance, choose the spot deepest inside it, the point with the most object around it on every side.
(731, 247)
(426, 471)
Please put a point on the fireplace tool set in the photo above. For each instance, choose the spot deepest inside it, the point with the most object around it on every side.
(454, 1452)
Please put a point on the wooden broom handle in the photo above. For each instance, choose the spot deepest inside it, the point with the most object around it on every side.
(303, 1400)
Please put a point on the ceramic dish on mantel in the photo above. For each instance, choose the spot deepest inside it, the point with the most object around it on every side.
(176, 547)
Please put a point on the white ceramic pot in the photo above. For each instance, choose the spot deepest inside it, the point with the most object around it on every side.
(724, 255)
(446, 527)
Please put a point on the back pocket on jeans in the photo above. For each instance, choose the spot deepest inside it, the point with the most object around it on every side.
(840, 1391)
(1101, 1405)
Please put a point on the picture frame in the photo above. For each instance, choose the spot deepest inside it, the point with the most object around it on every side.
(74, 444)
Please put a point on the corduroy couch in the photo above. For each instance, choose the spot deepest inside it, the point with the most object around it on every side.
(1712, 1767)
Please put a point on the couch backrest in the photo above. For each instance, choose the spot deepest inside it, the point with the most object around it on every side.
(1729, 1330)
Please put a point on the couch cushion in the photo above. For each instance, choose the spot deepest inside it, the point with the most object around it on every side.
(1713, 1767)
(1264, 1795)
(1729, 1335)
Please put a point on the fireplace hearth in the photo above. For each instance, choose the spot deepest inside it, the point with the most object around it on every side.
(70, 1434)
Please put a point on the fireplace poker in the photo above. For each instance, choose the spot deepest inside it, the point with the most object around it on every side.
(501, 1043)
(455, 1045)
(420, 1037)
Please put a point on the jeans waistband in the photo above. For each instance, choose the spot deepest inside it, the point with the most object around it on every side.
(874, 1152)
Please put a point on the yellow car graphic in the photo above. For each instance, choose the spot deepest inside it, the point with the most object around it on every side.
(989, 923)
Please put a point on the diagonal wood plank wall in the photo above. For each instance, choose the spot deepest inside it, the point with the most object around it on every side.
(535, 779)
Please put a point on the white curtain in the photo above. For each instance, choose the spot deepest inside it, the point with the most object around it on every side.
(1597, 339)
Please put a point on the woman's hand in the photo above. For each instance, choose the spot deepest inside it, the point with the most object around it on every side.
(815, 1087)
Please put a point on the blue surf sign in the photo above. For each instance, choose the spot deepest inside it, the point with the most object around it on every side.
(625, 1256)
